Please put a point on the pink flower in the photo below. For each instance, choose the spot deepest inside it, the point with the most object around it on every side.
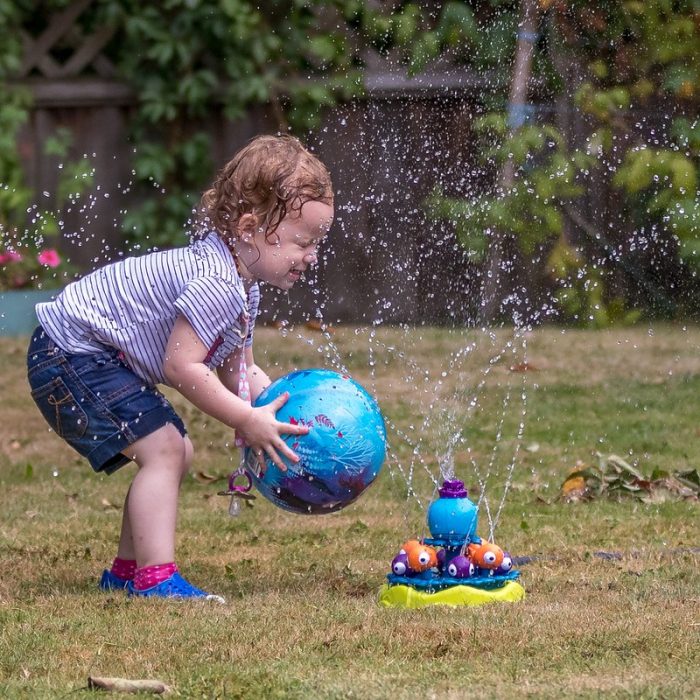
(9, 256)
(50, 258)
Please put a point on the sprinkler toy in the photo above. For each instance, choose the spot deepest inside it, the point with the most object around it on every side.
(454, 566)
(340, 456)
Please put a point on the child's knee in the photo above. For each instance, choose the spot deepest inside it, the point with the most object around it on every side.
(165, 448)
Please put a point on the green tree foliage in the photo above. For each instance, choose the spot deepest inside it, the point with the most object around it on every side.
(532, 208)
(186, 60)
(645, 54)
(22, 222)
(635, 58)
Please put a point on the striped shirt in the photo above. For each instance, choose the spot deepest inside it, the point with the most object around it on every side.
(132, 305)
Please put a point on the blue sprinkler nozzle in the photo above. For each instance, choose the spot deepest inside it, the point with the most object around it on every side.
(453, 516)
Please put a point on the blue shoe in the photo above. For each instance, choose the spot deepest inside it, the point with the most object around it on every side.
(110, 582)
(173, 587)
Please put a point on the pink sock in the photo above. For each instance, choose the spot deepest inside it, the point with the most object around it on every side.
(124, 568)
(149, 576)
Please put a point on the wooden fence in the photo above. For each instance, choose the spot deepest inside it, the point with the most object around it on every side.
(384, 262)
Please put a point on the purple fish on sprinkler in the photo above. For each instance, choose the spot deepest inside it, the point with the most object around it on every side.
(460, 567)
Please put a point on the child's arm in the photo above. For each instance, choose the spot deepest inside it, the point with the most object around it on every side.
(229, 373)
(185, 370)
(257, 377)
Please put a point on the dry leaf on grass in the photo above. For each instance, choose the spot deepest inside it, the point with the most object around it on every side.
(279, 324)
(613, 476)
(319, 326)
(575, 487)
(667, 488)
(523, 367)
(205, 478)
(124, 685)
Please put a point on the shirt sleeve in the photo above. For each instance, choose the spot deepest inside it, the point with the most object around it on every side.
(212, 306)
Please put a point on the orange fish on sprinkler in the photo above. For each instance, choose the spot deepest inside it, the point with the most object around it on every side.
(485, 555)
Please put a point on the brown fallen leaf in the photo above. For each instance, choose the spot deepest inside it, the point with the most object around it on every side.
(674, 487)
(205, 478)
(574, 488)
(124, 685)
(523, 367)
(108, 505)
(319, 326)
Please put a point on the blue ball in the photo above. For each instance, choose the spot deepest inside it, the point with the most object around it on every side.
(339, 457)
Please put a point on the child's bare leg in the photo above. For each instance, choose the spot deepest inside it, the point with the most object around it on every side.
(150, 510)
(126, 543)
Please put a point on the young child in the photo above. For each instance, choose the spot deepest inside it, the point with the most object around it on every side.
(183, 318)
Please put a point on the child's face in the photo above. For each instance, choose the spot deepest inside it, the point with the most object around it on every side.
(285, 256)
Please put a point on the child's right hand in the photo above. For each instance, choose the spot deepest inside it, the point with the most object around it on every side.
(263, 433)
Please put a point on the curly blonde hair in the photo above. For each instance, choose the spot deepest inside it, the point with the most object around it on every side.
(269, 177)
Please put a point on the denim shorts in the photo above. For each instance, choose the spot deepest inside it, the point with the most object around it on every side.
(94, 401)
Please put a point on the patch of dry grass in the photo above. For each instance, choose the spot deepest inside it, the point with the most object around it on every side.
(302, 619)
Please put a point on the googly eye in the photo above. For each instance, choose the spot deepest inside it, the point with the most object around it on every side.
(489, 557)
(452, 570)
(424, 558)
(507, 564)
(399, 568)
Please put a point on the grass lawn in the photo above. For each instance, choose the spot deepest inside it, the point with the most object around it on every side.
(302, 619)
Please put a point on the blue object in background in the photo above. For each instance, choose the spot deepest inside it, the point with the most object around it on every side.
(339, 457)
(17, 315)
(453, 517)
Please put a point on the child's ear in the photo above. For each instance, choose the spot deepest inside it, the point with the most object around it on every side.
(246, 227)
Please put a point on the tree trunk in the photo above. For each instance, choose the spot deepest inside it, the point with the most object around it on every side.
(504, 267)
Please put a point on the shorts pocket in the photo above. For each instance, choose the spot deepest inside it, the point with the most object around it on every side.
(107, 376)
(62, 412)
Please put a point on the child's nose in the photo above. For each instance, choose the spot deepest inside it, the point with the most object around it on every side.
(311, 258)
